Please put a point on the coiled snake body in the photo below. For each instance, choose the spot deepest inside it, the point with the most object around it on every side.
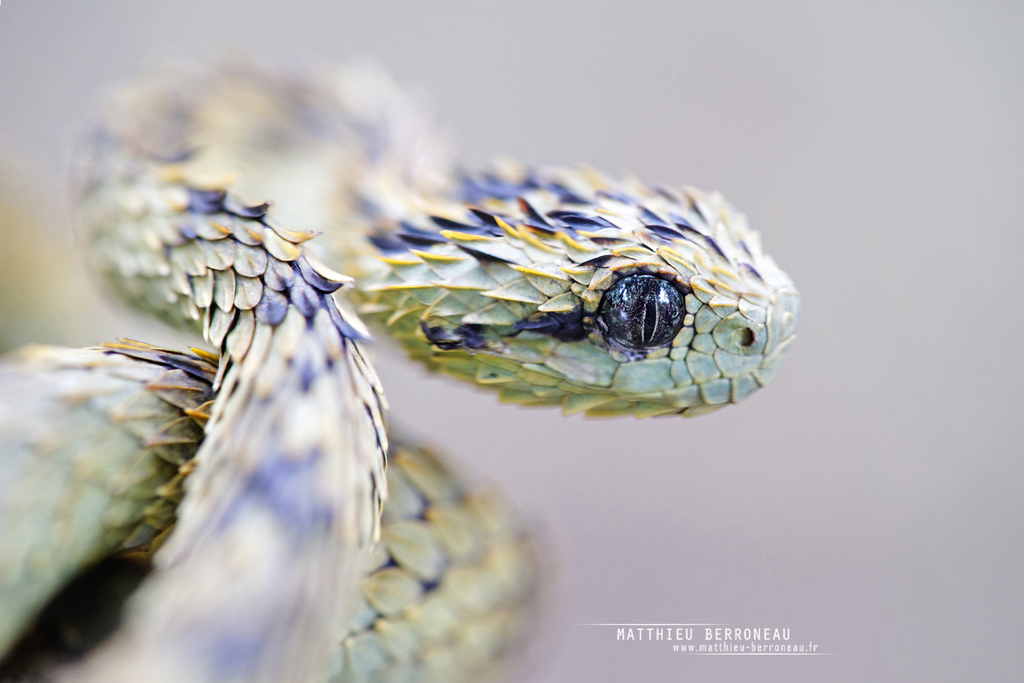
(550, 285)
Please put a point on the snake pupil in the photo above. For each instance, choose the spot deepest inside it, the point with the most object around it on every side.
(641, 312)
(650, 319)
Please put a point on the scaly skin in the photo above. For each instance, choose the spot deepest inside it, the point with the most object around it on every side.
(114, 437)
(443, 595)
(502, 284)
(290, 474)
(452, 585)
(496, 277)
(553, 286)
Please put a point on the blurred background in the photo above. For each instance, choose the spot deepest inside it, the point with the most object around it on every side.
(870, 500)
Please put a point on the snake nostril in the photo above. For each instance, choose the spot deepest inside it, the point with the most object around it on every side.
(747, 337)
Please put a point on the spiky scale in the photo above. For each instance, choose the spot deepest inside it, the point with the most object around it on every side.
(594, 224)
(130, 413)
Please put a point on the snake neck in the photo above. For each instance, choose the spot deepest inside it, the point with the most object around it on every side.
(501, 277)
(294, 451)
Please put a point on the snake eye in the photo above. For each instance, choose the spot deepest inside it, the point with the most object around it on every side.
(642, 312)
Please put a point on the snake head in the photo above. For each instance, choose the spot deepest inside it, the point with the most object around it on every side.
(603, 295)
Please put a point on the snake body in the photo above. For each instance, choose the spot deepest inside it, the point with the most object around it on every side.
(559, 286)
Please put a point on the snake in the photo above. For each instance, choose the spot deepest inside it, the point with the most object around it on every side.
(271, 523)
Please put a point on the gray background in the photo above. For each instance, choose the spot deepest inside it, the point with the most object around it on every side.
(870, 499)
